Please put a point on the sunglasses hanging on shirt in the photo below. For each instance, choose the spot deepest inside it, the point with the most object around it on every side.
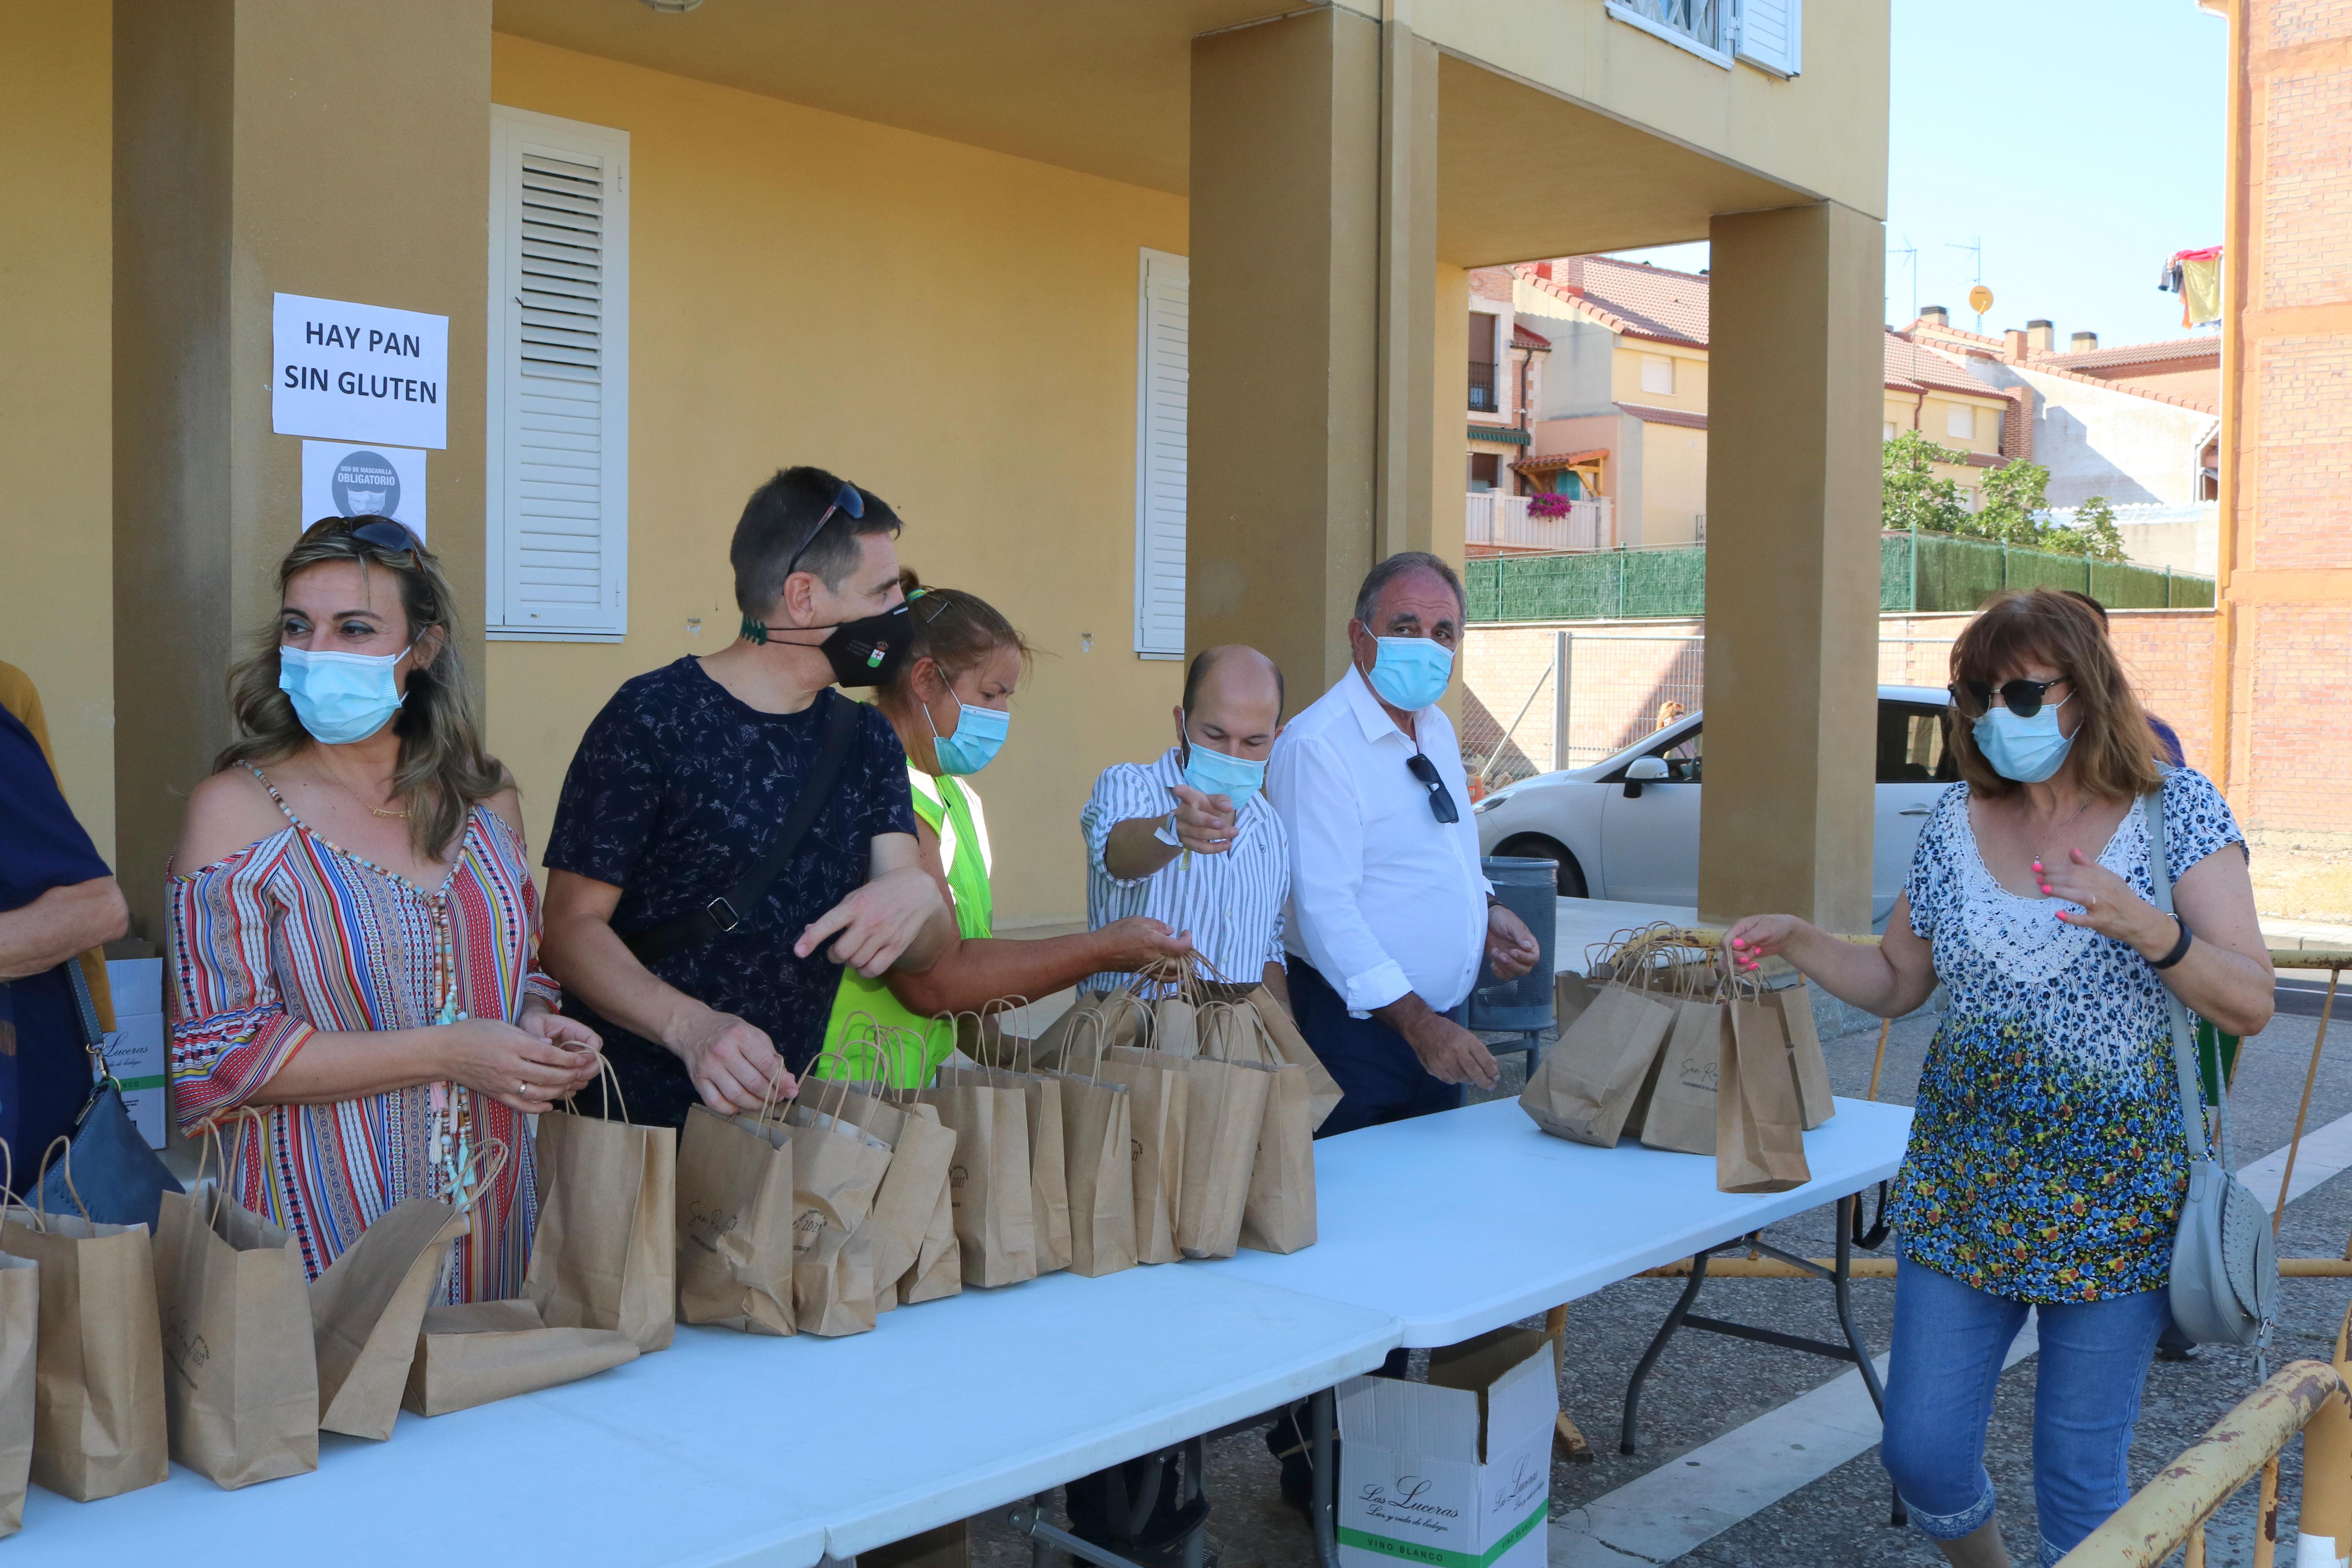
(1441, 801)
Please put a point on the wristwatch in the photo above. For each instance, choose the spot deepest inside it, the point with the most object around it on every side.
(1166, 833)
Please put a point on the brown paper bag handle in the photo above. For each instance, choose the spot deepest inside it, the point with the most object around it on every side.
(41, 1178)
(1093, 1021)
(210, 1144)
(608, 1082)
(841, 1098)
(876, 1043)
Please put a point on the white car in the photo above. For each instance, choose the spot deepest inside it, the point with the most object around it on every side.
(1628, 828)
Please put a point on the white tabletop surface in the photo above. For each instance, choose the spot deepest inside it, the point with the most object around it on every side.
(730, 1450)
(1470, 1219)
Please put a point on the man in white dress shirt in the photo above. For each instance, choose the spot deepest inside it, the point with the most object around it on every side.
(1390, 918)
(1190, 840)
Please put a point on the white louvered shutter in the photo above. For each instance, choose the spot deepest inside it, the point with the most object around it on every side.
(1162, 361)
(558, 491)
(1768, 32)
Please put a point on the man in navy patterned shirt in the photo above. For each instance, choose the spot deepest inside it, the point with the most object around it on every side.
(678, 791)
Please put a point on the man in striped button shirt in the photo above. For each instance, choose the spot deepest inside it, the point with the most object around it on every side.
(1190, 840)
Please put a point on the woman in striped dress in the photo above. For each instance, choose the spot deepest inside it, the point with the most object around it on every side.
(354, 932)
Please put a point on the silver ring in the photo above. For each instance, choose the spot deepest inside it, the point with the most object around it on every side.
(523, 1090)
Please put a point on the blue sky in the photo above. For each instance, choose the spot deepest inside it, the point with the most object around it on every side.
(2082, 140)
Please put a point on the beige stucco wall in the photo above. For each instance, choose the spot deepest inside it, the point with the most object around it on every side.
(1800, 131)
(56, 386)
(1690, 375)
(1674, 483)
(954, 327)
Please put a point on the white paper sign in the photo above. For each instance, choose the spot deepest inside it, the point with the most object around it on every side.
(359, 373)
(340, 480)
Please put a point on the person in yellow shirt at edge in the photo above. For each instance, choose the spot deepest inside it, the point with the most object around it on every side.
(951, 704)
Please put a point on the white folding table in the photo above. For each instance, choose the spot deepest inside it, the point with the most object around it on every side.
(1462, 1222)
(730, 1449)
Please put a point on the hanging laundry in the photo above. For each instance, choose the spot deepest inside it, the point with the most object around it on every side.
(2196, 277)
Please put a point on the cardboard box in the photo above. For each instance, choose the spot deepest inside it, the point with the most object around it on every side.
(1456, 1471)
(134, 1052)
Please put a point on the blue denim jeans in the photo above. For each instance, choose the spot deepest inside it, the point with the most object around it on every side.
(1944, 1366)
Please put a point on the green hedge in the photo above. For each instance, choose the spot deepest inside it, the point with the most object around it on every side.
(1953, 575)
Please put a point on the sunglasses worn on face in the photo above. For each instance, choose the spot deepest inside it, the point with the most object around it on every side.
(1441, 802)
(848, 501)
(2022, 697)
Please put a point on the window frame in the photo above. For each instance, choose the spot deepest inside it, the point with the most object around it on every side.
(611, 143)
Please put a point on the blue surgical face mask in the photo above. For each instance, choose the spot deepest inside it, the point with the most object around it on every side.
(2025, 750)
(1214, 772)
(341, 697)
(1411, 672)
(972, 744)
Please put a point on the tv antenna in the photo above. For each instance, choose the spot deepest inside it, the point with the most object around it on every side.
(1975, 247)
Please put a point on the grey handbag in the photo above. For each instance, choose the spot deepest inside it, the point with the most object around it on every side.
(2224, 1264)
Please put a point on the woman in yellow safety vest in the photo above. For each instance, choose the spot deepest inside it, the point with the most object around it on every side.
(951, 703)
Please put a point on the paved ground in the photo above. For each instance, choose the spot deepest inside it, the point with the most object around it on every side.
(1710, 1385)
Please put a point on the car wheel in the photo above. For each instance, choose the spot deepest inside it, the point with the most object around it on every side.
(1536, 846)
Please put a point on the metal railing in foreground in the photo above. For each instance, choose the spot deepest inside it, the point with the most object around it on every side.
(2304, 1396)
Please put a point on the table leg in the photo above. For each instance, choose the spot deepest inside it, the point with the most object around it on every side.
(1657, 1347)
(1320, 1419)
(1841, 1282)
(1573, 1445)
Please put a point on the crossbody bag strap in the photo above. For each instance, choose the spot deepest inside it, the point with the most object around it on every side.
(2184, 1041)
(732, 908)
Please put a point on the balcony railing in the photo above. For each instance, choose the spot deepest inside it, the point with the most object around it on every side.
(1499, 521)
(1482, 386)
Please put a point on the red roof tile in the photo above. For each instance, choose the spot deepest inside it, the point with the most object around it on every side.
(1560, 460)
(1915, 366)
(1523, 339)
(2204, 350)
(1653, 302)
(1651, 413)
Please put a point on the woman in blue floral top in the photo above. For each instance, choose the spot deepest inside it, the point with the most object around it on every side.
(2047, 1160)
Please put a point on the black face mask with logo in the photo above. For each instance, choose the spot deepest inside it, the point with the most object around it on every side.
(864, 652)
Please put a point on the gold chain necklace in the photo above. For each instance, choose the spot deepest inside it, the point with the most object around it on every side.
(2042, 856)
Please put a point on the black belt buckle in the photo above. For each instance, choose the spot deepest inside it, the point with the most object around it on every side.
(727, 921)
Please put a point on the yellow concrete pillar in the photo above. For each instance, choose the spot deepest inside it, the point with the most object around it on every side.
(1308, 443)
(1795, 379)
(332, 147)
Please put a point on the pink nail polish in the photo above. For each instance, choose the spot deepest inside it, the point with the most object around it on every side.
(1738, 941)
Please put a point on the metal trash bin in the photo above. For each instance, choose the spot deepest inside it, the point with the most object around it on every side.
(1530, 889)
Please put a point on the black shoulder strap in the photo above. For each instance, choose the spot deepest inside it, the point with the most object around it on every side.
(725, 913)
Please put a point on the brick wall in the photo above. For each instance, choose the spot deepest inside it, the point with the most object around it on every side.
(2291, 572)
(1621, 672)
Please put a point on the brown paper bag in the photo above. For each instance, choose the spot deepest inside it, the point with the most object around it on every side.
(1098, 1161)
(241, 1377)
(20, 1326)
(990, 1185)
(1278, 1214)
(366, 1308)
(1225, 1108)
(1795, 1005)
(1123, 1018)
(1681, 1111)
(1759, 1140)
(913, 1190)
(1157, 1088)
(1584, 1088)
(605, 1256)
(1571, 994)
(837, 1168)
(939, 1266)
(488, 1350)
(98, 1394)
(734, 1226)
(1287, 1046)
(1048, 1180)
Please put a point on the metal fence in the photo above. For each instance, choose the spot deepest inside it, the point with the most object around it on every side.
(1604, 690)
(1918, 572)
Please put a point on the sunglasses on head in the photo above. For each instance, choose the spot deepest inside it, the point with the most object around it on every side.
(2022, 697)
(1441, 802)
(382, 532)
(848, 501)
